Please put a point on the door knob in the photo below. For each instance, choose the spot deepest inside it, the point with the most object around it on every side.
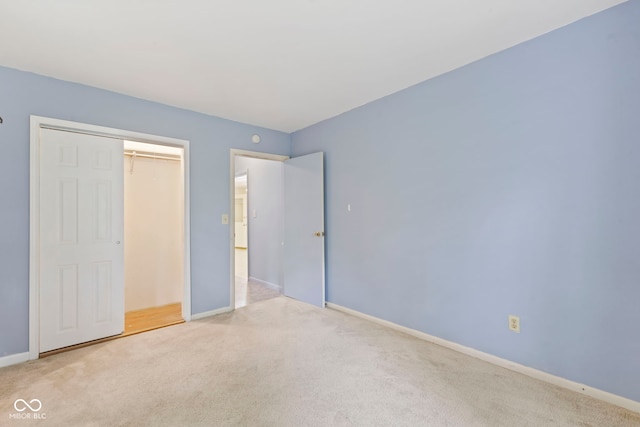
(319, 233)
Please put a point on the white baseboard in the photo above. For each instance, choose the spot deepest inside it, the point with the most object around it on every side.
(13, 359)
(268, 284)
(605, 396)
(210, 313)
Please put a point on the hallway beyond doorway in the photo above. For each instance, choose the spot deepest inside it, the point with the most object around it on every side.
(248, 290)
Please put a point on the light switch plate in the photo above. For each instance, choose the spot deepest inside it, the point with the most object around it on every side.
(225, 218)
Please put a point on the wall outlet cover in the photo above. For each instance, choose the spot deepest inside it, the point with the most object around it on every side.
(514, 323)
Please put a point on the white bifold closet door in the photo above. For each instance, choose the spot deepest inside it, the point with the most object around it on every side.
(81, 231)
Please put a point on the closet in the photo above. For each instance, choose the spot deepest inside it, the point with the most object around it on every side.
(153, 234)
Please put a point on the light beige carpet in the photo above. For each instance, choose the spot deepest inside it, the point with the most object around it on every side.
(280, 362)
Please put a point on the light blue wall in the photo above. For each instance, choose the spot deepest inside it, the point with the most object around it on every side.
(265, 230)
(23, 94)
(509, 186)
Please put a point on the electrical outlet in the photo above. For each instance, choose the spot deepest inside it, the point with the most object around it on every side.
(514, 323)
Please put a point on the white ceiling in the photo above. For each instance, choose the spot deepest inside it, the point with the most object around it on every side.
(281, 64)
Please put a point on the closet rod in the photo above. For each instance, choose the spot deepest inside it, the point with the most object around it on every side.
(150, 156)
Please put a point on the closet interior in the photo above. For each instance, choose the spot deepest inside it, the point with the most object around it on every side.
(153, 236)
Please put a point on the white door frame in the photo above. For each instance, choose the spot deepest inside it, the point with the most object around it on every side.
(232, 205)
(37, 123)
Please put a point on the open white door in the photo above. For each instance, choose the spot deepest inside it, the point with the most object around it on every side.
(81, 229)
(304, 229)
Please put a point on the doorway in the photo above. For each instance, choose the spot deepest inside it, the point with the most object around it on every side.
(257, 211)
(240, 216)
(117, 136)
(241, 239)
(295, 252)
